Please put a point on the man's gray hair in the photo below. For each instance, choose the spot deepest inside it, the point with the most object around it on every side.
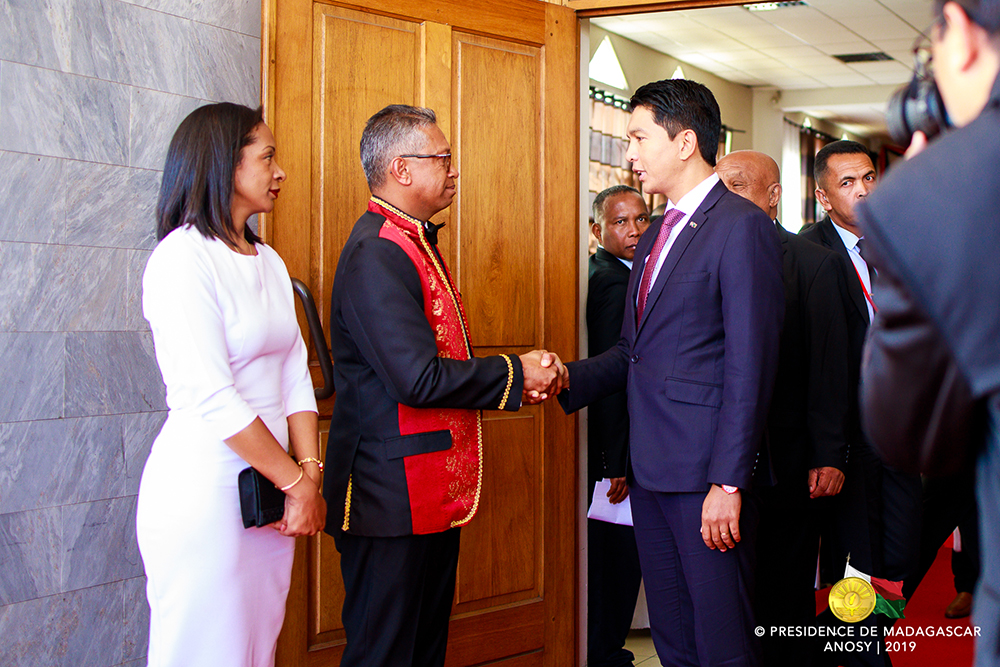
(393, 131)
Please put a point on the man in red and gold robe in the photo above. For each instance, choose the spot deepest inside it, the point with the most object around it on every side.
(405, 454)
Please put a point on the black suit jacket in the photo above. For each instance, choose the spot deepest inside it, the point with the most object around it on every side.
(607, 433)
(855, 307)
(384, 355)
(806, 425)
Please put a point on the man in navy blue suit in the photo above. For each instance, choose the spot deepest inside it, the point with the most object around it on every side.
(697, 358)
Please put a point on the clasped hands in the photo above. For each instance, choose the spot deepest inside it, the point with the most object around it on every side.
(545, 375)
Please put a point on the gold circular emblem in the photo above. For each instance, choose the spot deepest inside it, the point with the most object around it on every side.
(852, 599)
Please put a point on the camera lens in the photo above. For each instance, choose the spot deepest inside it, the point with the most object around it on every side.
(916, 107)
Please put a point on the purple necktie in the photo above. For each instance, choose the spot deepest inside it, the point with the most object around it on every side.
(672, 217)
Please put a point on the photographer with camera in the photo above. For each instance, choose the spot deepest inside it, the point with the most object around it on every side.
(931, 372)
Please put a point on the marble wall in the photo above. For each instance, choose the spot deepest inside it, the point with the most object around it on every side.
(90, 93)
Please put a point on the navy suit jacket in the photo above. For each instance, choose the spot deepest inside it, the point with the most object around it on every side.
(699, 369)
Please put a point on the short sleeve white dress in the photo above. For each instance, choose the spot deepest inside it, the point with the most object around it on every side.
(229, 348)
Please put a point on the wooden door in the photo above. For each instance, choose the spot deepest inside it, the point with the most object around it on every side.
(503, 80)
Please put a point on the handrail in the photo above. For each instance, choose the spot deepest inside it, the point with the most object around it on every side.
(318, 339)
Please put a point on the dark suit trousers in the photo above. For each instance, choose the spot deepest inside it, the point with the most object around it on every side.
(699, 598)
(613, 579)
(948, 502)
(398, 593)
(787, 549)
(876, 519)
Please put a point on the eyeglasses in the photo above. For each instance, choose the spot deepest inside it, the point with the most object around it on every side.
(445, 158)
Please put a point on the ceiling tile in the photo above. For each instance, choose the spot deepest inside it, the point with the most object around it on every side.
(792, 52)
(857, 46)
(885, 27)
(886, 67)
(844, 80)
(891, 78)
(897, 44)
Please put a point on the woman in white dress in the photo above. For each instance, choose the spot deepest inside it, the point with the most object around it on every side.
(220, 306)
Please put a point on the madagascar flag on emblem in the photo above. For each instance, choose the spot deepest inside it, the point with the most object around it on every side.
(889, 598)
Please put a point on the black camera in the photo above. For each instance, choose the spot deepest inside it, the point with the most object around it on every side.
(916, 107)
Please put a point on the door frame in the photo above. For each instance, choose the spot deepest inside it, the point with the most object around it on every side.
(585, 9)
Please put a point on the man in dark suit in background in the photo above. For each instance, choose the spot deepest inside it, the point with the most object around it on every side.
(698, 355)
(613, 577)
(877, 514)
(932, 366)
(404, 467)
(805, 426)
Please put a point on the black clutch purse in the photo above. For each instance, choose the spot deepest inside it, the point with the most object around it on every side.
(261, 502)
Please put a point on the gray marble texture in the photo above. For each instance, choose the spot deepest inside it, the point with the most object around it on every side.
(77, 629)
(99, 543)
(134, 319)
(148, 49)
(111, 373)
(136, 622)
(235, 15)
(49, 287)
(31, 553)
(31, 190)
(90, 93)
(155, 117)
(140, 431)
(90, 456)
(32, 367)
(225, 66)
(110, 206)
(36, 32)
(64, 116)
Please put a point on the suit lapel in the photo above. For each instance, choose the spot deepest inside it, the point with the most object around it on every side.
(834, 242)
(691, 227)
(611, 262)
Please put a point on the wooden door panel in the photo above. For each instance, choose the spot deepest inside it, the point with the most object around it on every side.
(497, 99)
(490, 71)
(500, 551)
(363, 62)
(482, 638)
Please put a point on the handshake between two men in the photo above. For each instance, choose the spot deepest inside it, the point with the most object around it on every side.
(545, 376)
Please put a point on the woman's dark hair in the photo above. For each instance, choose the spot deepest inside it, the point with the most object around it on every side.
(198, 176)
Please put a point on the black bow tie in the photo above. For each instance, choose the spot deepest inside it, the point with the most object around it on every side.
(431, 231)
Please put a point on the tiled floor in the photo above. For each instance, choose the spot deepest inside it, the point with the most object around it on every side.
(641, 645)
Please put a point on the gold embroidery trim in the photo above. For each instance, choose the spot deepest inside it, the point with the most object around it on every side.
(479, 482)
(510, 381)
(347, 505)
(468, 348)
(437, 266)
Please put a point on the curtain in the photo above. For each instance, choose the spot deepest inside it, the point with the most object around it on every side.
(791, 181)
(608, 143)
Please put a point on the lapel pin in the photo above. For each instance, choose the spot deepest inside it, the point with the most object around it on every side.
(694, 225)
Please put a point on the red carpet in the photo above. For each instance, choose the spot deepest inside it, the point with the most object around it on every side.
(925, 611)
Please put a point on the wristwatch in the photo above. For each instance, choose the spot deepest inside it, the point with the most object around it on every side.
(729, 489)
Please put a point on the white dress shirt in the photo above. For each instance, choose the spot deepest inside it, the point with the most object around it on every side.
(688, 204)
(851, 243)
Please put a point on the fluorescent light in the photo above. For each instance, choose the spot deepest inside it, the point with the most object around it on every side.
(771, 6)
(604, 66)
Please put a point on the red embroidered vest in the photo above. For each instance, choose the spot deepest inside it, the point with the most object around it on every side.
(443, 486)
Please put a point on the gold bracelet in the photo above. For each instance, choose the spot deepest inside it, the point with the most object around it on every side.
(297, 480)
(312, 460)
